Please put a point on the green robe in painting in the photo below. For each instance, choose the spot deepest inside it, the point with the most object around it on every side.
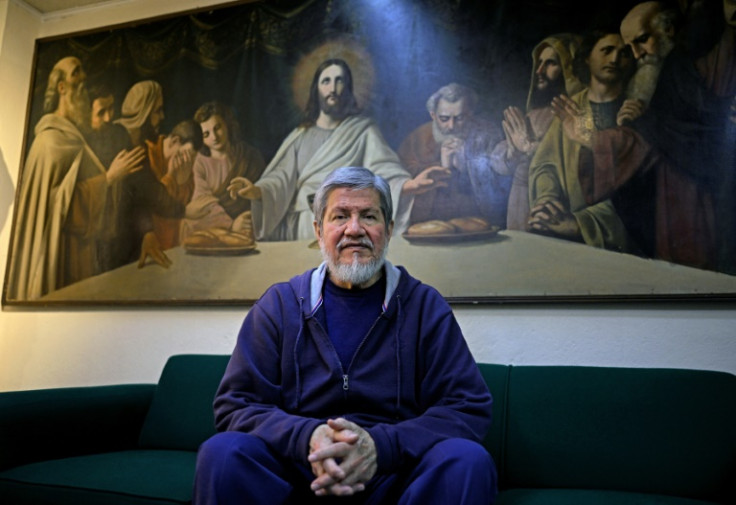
(553, 174)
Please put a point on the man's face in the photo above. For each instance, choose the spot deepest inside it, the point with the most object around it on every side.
(729, 11)
(450, 118)
(609, 59)
(215, 134)
(73, 92)
(642, 35)
(548, 70)
(103, 110)
(331, 85)
(157, 115)
(353, 234)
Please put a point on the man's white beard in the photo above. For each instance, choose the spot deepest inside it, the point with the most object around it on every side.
(355, 273)
(644, 82)
(441, 137)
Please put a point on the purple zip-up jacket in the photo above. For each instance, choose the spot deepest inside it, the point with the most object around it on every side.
(411, 383)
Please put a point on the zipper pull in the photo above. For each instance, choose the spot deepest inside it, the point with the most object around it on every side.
(345, 385)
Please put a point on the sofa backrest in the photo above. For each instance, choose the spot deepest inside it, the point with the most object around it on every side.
(648, 430)
(181, 415)
(662, 431)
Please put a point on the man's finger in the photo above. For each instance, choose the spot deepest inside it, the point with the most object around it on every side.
(142, 259)
(336, 450)
(555, 208)
(160, 257)
(347, 436)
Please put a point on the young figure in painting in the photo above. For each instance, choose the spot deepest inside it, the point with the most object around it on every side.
(172, 159)
(220, 170)
(552, 75)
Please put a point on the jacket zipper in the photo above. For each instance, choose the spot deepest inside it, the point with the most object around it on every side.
(345, 378)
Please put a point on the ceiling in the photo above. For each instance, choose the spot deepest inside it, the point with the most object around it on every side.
(49, 6)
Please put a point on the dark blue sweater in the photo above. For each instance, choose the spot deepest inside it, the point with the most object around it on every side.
(411, 383)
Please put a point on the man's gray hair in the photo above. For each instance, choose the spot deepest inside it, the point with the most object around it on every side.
(51, 96)
(353, 178)
(452, 93)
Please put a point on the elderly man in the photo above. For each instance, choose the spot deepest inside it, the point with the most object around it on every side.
(558, 205)
(352, 378)
(552, 75)
(333, 134)
(649, 31)
(457, 142)
(64, 195)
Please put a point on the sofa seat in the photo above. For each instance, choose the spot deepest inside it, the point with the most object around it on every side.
(588, 497)
(116, 478)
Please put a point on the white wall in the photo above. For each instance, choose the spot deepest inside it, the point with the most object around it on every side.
(47, 348)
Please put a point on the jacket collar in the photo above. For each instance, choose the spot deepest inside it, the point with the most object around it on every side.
(317, 281)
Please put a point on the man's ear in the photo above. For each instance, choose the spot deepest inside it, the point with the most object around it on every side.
(390, 231)
(61, 87)
(317, 231)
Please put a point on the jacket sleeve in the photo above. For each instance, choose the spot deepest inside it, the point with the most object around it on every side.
(249, 398)
(454, 398)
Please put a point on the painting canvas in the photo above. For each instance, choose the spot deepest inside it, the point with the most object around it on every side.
(536, 150)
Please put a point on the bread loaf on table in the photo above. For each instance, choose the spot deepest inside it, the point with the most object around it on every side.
(434, 227)
(218, 237)
(470, 224)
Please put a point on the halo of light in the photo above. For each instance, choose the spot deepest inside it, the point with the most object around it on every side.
(355, 55)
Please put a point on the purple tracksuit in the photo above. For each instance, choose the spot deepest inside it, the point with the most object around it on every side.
(412, 383)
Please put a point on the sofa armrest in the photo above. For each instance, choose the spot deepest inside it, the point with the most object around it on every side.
(55, 423)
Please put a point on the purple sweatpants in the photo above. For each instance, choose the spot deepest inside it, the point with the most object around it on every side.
(237, 468)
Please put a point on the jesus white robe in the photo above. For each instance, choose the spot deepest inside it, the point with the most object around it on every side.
(284, 212)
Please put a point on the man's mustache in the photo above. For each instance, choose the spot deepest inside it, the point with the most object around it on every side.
(363, 242)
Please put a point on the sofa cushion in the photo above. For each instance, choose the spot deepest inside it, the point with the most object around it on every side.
(657, 431)
(589, 497)
(181, 415)
(115, 478)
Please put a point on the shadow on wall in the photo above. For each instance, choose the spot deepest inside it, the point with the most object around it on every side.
(6, 192)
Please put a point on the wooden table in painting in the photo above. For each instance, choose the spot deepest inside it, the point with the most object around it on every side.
(505, 266)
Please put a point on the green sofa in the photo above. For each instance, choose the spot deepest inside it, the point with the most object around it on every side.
(561, 435)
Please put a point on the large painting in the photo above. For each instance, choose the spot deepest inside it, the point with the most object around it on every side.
(536, 150)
